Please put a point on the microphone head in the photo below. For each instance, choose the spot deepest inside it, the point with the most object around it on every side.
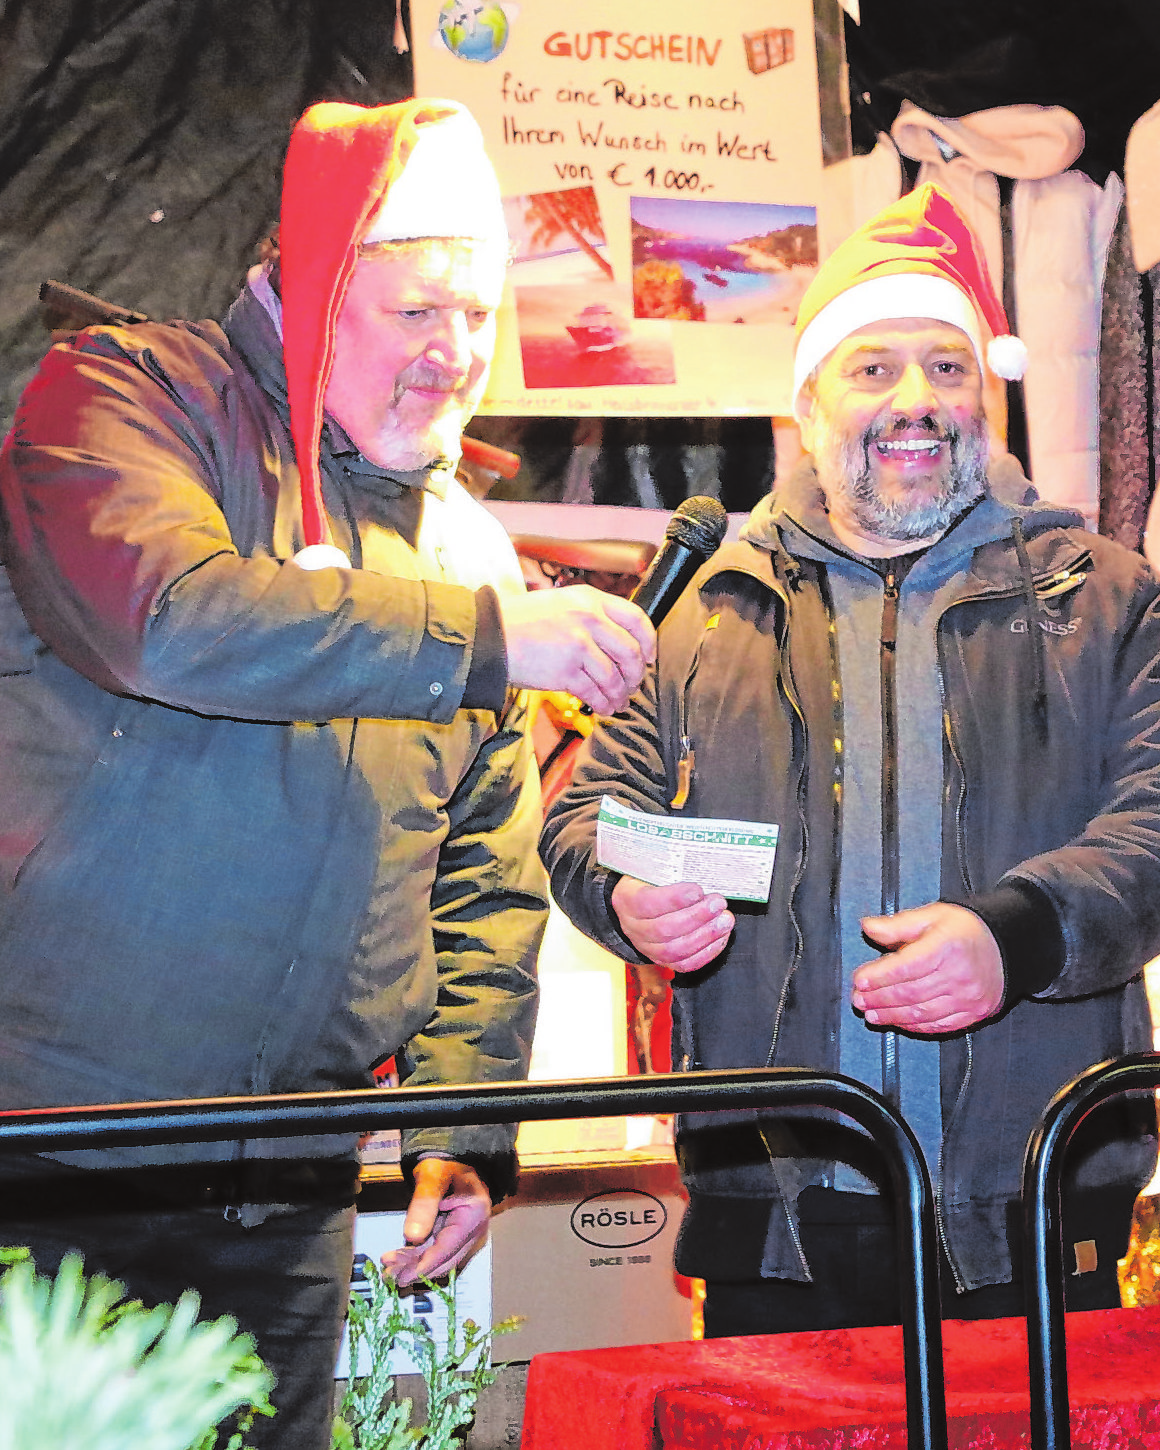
(698, 524)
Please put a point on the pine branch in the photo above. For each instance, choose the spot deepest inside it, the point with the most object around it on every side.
(455, 1372)
(83, 1365)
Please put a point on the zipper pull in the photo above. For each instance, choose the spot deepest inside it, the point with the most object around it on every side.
(890, 610)
(1061, 583)
(684, 774)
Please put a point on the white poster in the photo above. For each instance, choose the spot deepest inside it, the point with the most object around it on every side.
(661, 165)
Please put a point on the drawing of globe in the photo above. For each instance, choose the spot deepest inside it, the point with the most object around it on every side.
(473, 31)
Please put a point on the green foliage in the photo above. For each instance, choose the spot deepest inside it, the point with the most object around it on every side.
(81, 1365)
(370, 1418)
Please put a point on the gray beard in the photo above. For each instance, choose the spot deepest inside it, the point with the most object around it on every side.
(846, 462)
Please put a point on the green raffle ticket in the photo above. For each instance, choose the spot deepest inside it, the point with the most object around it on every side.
(734, 858)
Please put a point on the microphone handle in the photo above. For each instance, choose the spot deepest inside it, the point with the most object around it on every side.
(660, 588)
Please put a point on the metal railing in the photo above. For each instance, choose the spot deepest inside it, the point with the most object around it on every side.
(217, 1119)
(1043, 1236)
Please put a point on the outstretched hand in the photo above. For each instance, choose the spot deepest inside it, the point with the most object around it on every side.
(446, 1221)
(942, 971)
(677, 926)
(592, 645)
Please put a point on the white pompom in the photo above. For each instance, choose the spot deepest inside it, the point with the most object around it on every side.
(1007, 356)
(321, 556)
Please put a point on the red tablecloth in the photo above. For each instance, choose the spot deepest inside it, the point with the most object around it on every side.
(842, 1389)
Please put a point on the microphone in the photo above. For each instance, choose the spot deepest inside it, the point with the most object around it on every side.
(693, 533)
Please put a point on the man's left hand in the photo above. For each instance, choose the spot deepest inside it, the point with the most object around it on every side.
(942, 971)
(446, 1221)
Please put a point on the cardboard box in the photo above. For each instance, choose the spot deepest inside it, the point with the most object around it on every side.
(583, 1252)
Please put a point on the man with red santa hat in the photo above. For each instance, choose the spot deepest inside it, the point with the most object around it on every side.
(269, 806)
(944, 693)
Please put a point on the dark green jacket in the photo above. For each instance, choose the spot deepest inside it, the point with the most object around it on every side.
(1051, 774)
(253, 836)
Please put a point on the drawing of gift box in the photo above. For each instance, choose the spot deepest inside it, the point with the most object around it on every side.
(765, 49)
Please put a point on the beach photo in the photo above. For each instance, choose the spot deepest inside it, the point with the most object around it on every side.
(576, 323)
(713, 261)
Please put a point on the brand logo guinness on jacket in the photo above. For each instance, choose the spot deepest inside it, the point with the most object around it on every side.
(1048, 626)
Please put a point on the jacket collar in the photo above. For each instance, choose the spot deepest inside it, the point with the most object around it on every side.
(982, 539)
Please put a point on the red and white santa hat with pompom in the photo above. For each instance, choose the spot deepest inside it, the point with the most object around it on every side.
(917, 258)
(355, 176)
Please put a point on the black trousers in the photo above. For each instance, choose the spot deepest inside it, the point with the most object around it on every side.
(850, 1244)
(285, 1280)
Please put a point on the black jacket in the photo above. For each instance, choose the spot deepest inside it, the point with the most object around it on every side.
(255, 836)
(1051, 781)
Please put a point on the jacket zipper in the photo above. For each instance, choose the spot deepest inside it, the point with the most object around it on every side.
(799, 715)
(939, 1216)
(1051, 586)
(961, 849)
(795, 706)
(690, 1057)
(686, 762)
(888, 685)
(690, 1060)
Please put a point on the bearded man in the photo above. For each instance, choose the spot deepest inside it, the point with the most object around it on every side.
(270, 807)
(944, 693)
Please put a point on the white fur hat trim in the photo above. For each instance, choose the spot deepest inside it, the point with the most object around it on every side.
(899, 294)
(448, 188)
(321, 556)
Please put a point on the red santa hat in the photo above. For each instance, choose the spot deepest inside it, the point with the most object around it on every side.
(917, 258)
(353, 175)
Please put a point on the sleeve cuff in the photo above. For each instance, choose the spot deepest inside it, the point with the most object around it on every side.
(486, 687)
(499, 1172)
(624, 947)
(1027, 930)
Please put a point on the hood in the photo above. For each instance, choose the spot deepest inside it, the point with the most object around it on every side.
(799, 498)
(1011, 510)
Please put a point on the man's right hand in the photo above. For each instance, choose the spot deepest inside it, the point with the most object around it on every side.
(593, 645)
(677, 926)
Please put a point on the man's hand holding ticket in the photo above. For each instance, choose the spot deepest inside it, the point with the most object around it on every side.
(731, 858)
